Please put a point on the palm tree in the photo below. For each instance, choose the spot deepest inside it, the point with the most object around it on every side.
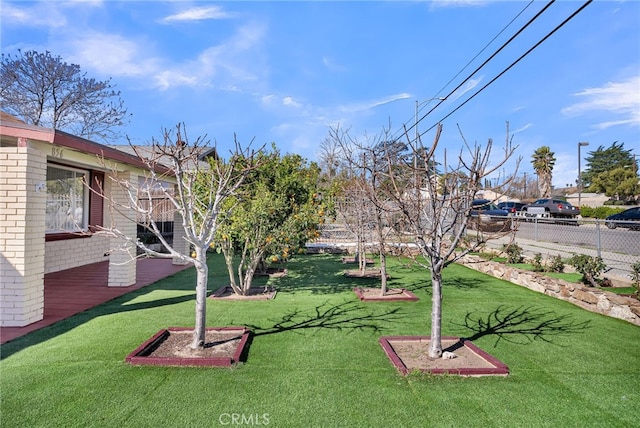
(543, 160)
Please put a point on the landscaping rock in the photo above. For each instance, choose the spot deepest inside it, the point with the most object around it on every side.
(591, 299)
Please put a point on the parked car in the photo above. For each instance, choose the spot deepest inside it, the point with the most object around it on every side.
(485, 215)
(551, 208)
(512, 207)
(628, 218)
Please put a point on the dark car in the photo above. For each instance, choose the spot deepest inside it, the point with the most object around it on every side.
(628, 218)
(485, 215)
(512, 207)
(551, 208)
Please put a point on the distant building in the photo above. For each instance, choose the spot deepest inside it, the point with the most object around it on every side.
(587, 199)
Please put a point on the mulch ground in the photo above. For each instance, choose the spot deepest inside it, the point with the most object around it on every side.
(392, 294)
(255, 293)
(218, 343)
(410, 354)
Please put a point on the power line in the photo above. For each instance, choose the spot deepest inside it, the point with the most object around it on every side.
(562, 24)
(492, 56)
(484, 48)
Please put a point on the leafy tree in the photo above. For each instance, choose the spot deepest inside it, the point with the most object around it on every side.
(276, 214)
(201, 198)
(43, 90)
(604, 160)
(619, 183)
(543, 161)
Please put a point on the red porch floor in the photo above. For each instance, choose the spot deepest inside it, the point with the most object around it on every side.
(71, 291)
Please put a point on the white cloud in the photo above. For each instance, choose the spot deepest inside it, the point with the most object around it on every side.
(198, 14)
(565, 170)
(374, 103)
(457, 3)
(168, 78)
(226, 65)
(469, 85)
(290, 102)
(620, 98)
(233, 61)
(43, 14)
(267, 99)
(331, 65)
(523, 128)
(112, 55)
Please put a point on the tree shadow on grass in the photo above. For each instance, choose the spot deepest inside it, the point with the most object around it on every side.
(320, 274)
(349, 316)
(521, 325)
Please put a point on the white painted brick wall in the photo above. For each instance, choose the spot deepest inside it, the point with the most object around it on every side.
(122, 271)
(70, 253)
(22, 212)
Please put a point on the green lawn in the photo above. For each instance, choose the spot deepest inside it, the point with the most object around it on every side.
(315, 360)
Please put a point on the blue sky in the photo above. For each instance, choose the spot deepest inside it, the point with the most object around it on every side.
(287, 71)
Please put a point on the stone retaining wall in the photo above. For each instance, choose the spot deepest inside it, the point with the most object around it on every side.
(591, 299)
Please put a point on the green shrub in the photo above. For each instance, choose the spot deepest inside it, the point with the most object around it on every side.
(591, 269)
(557, 264)
(599, 212)
(635, 277)
(612, 202)
(514, 253)
(537, 263)
(485, 255)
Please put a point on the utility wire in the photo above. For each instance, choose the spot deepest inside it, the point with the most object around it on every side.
(562, 24)
(504, 45)
(484, 48)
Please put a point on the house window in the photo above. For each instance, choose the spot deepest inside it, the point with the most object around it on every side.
(67, 199)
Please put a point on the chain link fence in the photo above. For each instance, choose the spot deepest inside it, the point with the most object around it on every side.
(618, 244)
(619, 247)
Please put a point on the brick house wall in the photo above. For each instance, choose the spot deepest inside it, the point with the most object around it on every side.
(22, 227)
(27, 251)
(77, 252)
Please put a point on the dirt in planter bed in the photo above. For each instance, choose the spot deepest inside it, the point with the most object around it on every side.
(218, 343)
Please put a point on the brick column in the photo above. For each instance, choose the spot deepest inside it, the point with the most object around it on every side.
(179, 243)
(122, 266)
(23, 195)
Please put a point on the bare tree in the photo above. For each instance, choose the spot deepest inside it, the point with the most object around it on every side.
(200, 198)
(367, 210)
(352, 211)
(43, 90)
(436, 209)
(439, 221)
(331, 159)
(352, 205)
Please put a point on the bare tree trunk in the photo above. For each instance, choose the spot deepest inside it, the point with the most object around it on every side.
(227, 251)
(361, 256)
(435, 343)
(383, 271)
(202, 271)
(362, 253)
(248, 279)
(247, 268)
